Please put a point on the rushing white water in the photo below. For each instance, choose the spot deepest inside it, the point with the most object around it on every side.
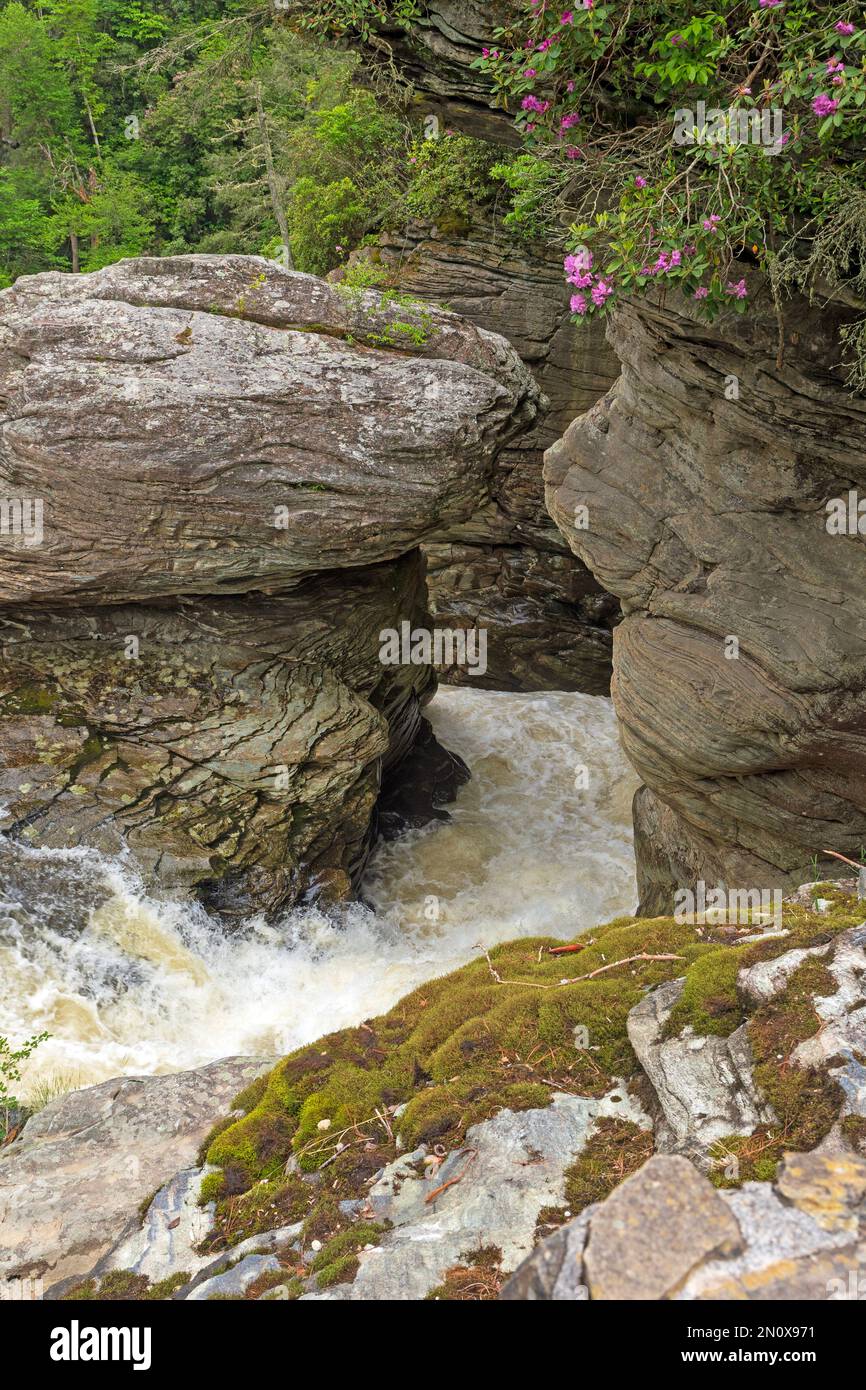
(128, 984)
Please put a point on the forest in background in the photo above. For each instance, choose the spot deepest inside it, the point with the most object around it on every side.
(188, 125)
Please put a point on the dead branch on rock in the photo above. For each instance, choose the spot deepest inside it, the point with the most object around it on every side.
(574, 979)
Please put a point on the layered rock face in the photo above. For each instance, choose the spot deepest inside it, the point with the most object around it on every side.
(224, 471)
(508, 567)
(697, 492)
(435, 52)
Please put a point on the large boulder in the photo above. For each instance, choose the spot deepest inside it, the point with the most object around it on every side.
(217, 426)
(697, 491)
(82, 1168)
(206, 424)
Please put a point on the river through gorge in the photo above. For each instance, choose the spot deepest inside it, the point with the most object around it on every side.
(539, 843)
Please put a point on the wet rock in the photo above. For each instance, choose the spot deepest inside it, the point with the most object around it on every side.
(238, 754)
(654, 1229)
(704, 1084)
(75, 1179)
(421, 786)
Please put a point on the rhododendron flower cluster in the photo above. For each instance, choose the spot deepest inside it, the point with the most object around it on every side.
(681, 211)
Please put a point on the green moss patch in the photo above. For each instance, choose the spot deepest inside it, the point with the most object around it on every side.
(121, 1286)
(457, 1050)
(337, 1262)
(508, 1031)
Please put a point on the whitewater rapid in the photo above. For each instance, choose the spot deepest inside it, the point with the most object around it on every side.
(539, 843)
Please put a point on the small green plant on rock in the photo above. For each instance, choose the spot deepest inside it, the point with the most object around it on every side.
(10, 1074)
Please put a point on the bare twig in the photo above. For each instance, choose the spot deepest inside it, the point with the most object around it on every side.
(626, 960)
(590, 975)
(471, 1155)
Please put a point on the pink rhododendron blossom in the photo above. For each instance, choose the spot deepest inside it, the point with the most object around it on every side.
(709, 223)
(578, 304)
(573, 152)
(843, 27)
(577, 263)
(701, 292)
(530, 72)
(567, 17)
(640, 182)
(568, 121)
(824, 105)
(601, 292)
(738, 290)
(569, 86)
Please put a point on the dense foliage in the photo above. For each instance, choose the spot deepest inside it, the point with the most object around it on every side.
(696, 135)
(203, 125)
(682, 140)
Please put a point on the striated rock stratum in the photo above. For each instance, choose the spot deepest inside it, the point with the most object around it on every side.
(226, 470)
(696, 491)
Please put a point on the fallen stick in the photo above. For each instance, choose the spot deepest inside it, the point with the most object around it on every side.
(557, 984)
(626, 960)
(843, 857)
(566, 950)
(443, 1187)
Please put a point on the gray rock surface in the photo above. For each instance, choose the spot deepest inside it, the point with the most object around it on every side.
(165, 1242)
(666, 1232)
(235, 1282)
(166, 409)
(707, 517)
(76, 1177)
(704, 1084)
(510, 1168)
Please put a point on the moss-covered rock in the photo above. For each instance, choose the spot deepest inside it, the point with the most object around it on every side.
(510, 1030)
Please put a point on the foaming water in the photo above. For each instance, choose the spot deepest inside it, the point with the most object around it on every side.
(125, 983)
